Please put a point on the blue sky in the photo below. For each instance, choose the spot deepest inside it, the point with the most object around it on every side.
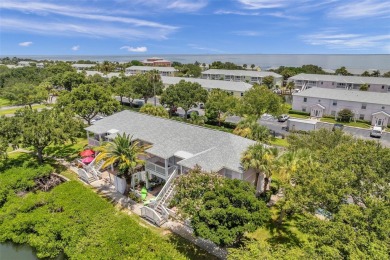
(123, 27)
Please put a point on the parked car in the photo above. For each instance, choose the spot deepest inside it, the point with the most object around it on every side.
(97, 118)
(283, 118)
(376, 132)
(138, 103)
(337, 127)
(189, 112)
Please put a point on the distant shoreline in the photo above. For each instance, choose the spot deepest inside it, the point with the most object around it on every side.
(265, 61)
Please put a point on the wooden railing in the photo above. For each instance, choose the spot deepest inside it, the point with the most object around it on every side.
(151, 215)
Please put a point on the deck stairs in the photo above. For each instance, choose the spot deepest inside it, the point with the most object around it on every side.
(158, 208)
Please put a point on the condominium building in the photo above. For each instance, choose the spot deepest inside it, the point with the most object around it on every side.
(156, 62)
(375, 84)
(242, 76)
(368, 106)
(164, 71)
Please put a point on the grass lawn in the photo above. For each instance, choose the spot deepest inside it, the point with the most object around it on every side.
(353, 124)
(279, 142)
(299, 116)
(13, 110)
(4, 102)
(68, 151)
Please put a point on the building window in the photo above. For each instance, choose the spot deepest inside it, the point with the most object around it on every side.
(332, 113)
(334, 103)
(305, 99)
(364, 106)
(361, 116)
(383, 108)
(383, 87)
(332, 83)
(319, 100)
(242, 94)
(322, 82)
(303, 109)
(228, 175)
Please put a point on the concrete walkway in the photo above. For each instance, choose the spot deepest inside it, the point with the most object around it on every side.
(108, 191)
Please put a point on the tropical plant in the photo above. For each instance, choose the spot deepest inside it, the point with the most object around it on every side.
(251, 129)
(221, 209)
(364, 87)
(261, 159)
(124, 151)
(154, 110)
(197, 119)
(220, 102)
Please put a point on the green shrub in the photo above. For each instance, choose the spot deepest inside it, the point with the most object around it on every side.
(296, 112)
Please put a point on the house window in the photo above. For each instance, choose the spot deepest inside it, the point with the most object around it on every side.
(388, 89)
(383, 107)
(242, 94)
(334, 103)
(303, 109)
(332, 113)
(322, 82)
(332, 83)
(383, 87)
(319, 100)
(228, 175)
(364, 106)
(305, 99)
(361, 116)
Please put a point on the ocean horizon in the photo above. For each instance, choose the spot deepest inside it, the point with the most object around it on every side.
(264, 61)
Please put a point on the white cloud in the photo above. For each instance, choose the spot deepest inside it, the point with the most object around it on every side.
(358, 9)
(25, 44)
(134, 49)
(263, 4)
(86, 30)
(197, 47)
(236, 12)
(76, 48)
(246, 33)
(336, 40)
(187, 6)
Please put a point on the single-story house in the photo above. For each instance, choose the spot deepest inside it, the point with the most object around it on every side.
(376, 84)
(242, 76)
(368, 106)
(164, 71)
(177, 145)
(237, 89)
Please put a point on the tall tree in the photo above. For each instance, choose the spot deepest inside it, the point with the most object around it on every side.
(342, 71)
(249, 127)
(259, 100)
(24, 94)
(143, 86)
(261, 159)
(124, 151)
(253, 66)
(41, 129)
(70, 80)
(154, 78)
(268, 81)
(89, 100)
(184, 94)
(220, 102)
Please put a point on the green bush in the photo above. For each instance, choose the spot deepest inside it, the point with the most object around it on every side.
(296, 112)
(73, 219)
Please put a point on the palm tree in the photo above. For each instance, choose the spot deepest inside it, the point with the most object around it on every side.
(262, 159)
(253, 66)
(124, 151)
(250, 128)
(154, 77)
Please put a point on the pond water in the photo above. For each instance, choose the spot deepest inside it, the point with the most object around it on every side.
(11, 251)
(14, 251)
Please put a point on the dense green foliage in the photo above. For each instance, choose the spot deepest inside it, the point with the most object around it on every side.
(72, 219)
(154, 110)
(184, 94)
(225, 65)
(221, 210)
(249, 128)
(188, 70)
(219, 104)
(336, 201)
(288, 72)
(345, 115)
(88, 100)
(259, 100)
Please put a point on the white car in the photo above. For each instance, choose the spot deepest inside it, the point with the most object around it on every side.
(376, 132)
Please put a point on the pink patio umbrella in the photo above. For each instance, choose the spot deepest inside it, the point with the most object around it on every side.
(87, 153)
(87, 160)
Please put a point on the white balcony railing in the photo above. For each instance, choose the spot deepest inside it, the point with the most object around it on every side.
(93, 142)
(158, 170)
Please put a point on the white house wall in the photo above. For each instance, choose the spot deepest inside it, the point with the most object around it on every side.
(331, 110)
(336, 85)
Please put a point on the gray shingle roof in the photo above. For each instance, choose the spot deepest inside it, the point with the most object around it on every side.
(149, 68)
(210, 84)
(347, 95)
(342, 79)
(211, 149)
(247, 73)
